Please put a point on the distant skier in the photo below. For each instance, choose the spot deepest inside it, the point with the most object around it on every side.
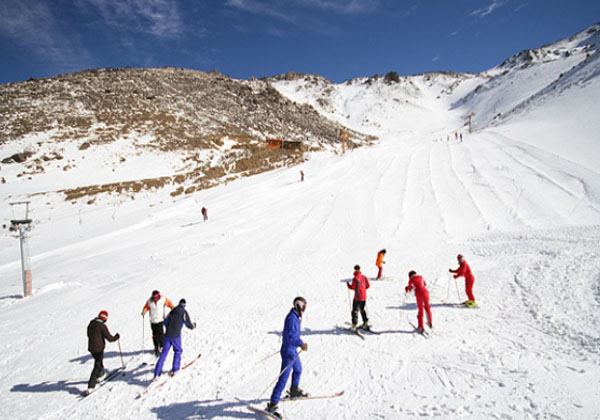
(175, 321)
(360, 284)
(422, 294)
(461, 137)
(379, 262)
(157, 307)
(301, 175)
(97, 332)
(204, 214)
(464, 270)
(290, 360)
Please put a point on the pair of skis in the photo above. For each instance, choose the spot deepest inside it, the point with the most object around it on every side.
(272, 416)
(155, 384)
(109, 377)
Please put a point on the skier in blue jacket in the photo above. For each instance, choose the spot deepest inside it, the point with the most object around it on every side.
(177, 318)
(290, 362)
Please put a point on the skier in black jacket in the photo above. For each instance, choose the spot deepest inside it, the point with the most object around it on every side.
(97, 332)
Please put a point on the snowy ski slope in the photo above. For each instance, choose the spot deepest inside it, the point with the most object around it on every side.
(525, 215)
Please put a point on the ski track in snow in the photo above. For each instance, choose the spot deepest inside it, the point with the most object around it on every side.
(526, 220)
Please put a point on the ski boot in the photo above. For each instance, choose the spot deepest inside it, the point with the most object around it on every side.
(296, 392)
(365, 326)
(471, 304)
(273, 409)
(354, 327)
(420, 330)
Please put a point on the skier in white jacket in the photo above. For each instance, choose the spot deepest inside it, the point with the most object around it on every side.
(157, 307)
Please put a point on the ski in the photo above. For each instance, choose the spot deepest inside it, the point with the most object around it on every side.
(109, 377)
(365, 329)
(424, 333)
(358, 333)
(155, 384)
(265, 414)
(311, 397)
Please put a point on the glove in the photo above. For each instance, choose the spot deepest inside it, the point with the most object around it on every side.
(305, 346)
(450, 270)
(194, 325)
(406, 289)
(117, 336)
(143, 313)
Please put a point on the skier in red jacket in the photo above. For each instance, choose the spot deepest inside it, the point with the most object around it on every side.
(422, 294)
(464, 270)
(360, 284)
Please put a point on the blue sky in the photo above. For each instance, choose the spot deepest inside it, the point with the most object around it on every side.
(338, 39)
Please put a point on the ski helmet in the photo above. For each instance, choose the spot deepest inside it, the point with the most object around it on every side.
(182, 302)
(103, 315)
(459, 257)
(300, 304)
(155, 294)
(357, 267)
(412, 273)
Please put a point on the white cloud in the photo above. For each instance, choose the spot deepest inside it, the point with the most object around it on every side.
(261, 8)
(343, 6)
(33, 26)
(160, 18)
(489, 9)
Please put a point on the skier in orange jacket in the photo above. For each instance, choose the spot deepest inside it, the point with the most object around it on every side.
(464, 270)
(379, 263)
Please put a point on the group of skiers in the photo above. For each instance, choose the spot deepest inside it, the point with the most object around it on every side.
(162, 313)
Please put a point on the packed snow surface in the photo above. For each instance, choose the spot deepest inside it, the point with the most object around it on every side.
(524, 212)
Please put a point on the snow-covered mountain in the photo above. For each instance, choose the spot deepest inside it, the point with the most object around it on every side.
(519, 197)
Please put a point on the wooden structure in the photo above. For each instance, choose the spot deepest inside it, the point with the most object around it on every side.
(275, 143)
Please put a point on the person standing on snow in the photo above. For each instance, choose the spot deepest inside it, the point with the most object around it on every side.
(97, 332)
(175, 321)
(379, 263)
(290, 360)
(422, 294)
(464, 270)
(301, 175)
(157, 307)
(204, 214)
(360, 284)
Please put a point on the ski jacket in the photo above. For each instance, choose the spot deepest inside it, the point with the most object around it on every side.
(464, 270)
(360, 284)
(97, 332)
(175, 321)
(291, 333)
(379, 261)
(418, 284)
(158, 309)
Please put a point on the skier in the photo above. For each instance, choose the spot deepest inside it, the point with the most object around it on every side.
(157, 307)
(301, 175)
(290, 360)
(464, 270)
(360, 284)
(379, 262)
(175, 321)
(422, 294)
(204, 214)
(97, 332)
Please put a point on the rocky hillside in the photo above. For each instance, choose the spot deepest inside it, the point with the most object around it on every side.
(215, 126)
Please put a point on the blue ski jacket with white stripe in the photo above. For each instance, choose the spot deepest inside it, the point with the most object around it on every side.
(291, 333)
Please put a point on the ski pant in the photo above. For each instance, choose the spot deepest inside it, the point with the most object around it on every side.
(176, 343)
(158, 335)
(205, 217)
(359, 305)
(380, 272)
(423, 301)
(290, 363)
(98, 370)
(469, 287)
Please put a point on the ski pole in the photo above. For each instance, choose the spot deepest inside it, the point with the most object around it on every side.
(402, 306)
(121, 353)
(448, 287)
(143, 333)
(282, 372)
(457, 292)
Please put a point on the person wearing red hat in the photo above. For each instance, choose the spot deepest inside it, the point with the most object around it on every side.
(360, 284)
(416, 282)
(157, 306)
(464, 270)
(97, 332)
